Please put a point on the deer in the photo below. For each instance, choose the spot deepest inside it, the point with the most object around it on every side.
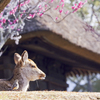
(25, 71)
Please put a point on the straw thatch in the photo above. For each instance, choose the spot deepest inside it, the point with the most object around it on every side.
(72, 29)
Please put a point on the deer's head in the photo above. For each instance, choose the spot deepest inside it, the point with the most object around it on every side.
(27, 67)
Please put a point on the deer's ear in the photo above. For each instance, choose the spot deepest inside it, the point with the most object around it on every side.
(24, 56)
(17, 58)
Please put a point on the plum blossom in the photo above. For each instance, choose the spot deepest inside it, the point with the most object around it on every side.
(12, 18)
(57, 7)
(60, 11)
(78, 6)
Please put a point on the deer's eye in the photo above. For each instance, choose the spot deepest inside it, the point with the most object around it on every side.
(33, 66)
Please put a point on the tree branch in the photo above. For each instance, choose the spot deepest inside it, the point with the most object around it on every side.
(3, 4)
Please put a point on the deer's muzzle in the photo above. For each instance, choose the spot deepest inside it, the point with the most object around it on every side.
(42, 76)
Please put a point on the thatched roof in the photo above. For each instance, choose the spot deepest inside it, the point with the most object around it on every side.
(71, 41)
(72, 29)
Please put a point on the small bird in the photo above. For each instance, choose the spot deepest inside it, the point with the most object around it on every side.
(15, 85)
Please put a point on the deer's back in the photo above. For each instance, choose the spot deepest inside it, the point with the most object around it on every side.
(4, 85)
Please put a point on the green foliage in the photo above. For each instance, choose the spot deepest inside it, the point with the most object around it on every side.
(97, 3)
(84, 9)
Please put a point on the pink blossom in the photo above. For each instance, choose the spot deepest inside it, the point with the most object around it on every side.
(1, 14)
(75, 10)
(41, 14)
(1, 26)
(76, 7)
(62, 5)
(32, 15)
(24, 11)
(75, 4)
(21, 15)
(14, 10)
(21, 5)
(66, 12)
(10, 13)
(10, 22)
(45, 5)
(18, 29)
(40, 9)
(51, 1)
(26, 2)
(73, 7)
(40, 6)
(61, 1)
(4, 20)
(60, 11)
(12, 27)
(86, 1)
(43, 11)
(56, 18)
(80, 5)
(57, 7)
(14, 21)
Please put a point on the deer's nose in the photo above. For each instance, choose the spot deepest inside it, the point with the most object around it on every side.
(42, 76)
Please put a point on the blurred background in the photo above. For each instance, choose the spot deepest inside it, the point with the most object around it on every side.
(90, 14)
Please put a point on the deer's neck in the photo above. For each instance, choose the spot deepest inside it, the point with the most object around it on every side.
(22, 81)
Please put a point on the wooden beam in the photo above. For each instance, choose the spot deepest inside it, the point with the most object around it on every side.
(56, 82)
(72, 62)
(58, 41)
